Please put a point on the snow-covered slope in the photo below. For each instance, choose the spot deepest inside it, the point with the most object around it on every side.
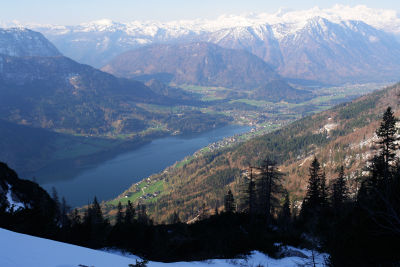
(20, 42)
(20, 250)
(301, 44)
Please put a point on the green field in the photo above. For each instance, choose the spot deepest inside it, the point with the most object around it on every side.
(142, 189)
(262, 116)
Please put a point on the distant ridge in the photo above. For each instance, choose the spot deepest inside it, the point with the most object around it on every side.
(22, 42)
(197, 63)
(335, 45)
(205, 64)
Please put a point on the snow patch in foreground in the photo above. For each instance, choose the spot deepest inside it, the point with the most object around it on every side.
(20, 250)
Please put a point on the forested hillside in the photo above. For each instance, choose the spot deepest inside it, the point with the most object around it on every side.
(206, 64)
(340, 136)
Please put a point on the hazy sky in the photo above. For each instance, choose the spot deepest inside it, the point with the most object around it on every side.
(77, 11)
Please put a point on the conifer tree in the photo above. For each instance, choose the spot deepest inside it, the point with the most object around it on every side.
(323, 190)
(142, 214)
(65, 221)
(379, 193)
(387, 140)
(313, 196)
(339, 192)
(175, 218)
(97, 214)
(229, 202)
(251, 194)
(120, 216)
(312, 202)
(75, 218)
(129, 213)
(286, 215)
(54, 196)
(268, 187)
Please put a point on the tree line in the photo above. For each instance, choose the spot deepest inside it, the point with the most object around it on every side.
(356, 229)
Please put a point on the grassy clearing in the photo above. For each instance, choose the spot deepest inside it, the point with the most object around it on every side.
(200, 89)
(142, 189)
(265, 117)
(182, 163)
(256, 103)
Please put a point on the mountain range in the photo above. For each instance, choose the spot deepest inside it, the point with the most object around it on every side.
(50, 104)
(336, 45)
(41, 88)
(203, 64)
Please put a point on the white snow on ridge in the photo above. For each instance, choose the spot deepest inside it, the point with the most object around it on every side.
(384, 19)
(20, 250)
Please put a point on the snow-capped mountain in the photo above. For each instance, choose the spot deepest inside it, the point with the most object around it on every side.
(339, 52)
(259, 40)
(298, 43)
(22, 42)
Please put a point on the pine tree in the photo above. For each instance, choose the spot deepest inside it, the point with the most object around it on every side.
(286, 215)
(229, 202)
(142, 214)
(120, 216)
(175, 218)
(312, 203)
(323, 190)
(251, 194)
(54, 196)
(129, 213)
(387, 140)
(268, 186)
(339, 192)
(65, 221)
(379, 193)
(97, 214)
(313, 196)
(75, 218)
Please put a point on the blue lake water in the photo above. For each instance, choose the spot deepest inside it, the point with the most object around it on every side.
(112, 177)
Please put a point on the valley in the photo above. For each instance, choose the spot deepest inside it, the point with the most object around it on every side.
(109, 176)
(222, 163)
(189, 138)
(108, 171)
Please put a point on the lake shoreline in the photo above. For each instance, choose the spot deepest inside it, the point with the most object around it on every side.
(132, 161)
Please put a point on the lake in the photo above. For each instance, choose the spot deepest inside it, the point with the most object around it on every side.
(112, 177)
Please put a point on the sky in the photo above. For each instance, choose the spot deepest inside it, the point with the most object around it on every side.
(71, 12)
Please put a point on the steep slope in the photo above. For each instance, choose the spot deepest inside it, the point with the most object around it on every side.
(29, 149)
(195, 63)
(204, 64)
(40, 89)
(355, 39)
(23, 42)
(258, 40)
(341, 136)
(60, 94)
(33, 203)
(339, 52)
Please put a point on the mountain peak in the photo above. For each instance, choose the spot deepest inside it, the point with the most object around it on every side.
(22, 42)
